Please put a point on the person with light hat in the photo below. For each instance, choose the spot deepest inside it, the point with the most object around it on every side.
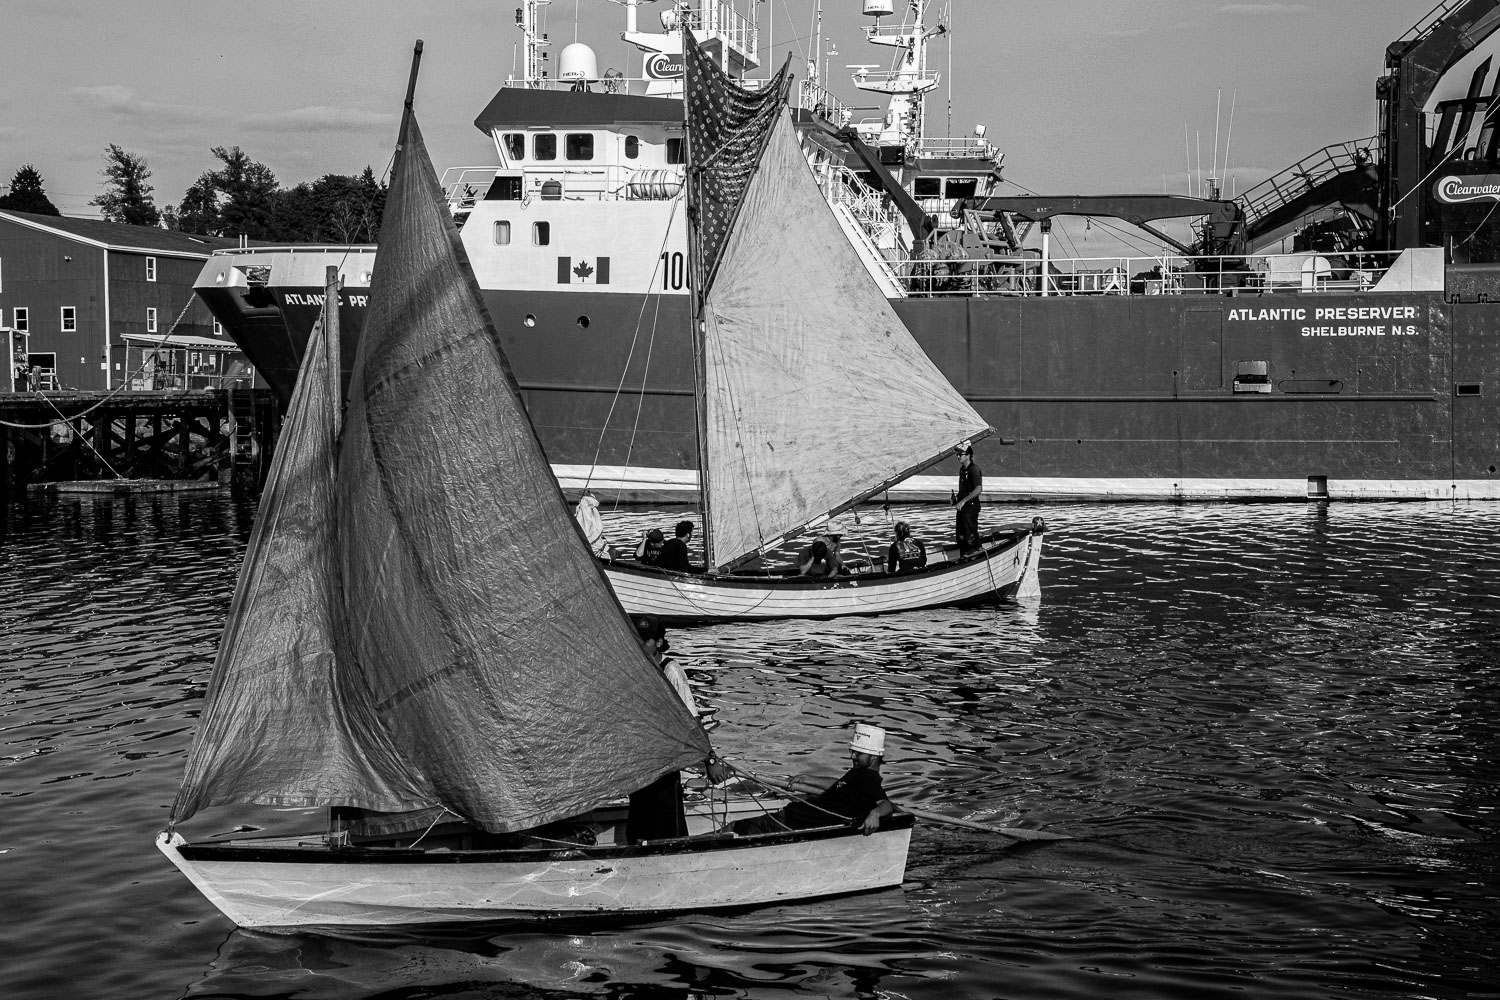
(822, 558)
(858, 798)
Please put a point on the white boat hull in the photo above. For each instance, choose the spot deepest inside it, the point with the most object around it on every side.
(1007, 570)
(301, 886)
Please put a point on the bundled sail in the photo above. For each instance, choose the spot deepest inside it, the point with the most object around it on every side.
(814, 394)
(423, 627)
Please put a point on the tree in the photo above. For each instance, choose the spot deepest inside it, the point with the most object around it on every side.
(127, 196)
(27, 194)
(199, 211)
(249, 189)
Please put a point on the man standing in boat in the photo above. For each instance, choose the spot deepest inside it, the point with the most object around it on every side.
(858, 797)
(966, 499)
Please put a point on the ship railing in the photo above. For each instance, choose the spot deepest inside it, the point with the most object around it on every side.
(465, 187)
(967, 147)
(1002, 275)
(896, 82)
(816, 98)
(720, 16)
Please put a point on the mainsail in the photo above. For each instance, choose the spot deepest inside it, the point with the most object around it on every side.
(471, 640)
(815, 395)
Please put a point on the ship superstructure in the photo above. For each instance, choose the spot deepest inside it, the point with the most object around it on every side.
(1352, 366)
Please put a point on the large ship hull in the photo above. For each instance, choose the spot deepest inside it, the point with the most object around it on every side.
(1367, 395)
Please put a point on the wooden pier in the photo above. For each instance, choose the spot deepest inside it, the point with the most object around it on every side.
(203, 435)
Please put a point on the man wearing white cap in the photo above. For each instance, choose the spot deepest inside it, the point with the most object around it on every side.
(857, 798)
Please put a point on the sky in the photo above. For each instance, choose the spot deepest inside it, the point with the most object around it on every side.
(1084, 96)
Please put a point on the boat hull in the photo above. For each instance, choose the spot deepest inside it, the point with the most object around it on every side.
(1007, 570)
(315, 886)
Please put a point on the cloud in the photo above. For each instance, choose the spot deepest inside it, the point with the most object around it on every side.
(1263, 9)
(123, 102)
(319, 118)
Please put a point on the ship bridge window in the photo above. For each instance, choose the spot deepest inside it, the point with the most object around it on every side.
(580, 146)
(632, 147)
(515, 146)
(541, 233)
(544, 146)
(961, 187)
(928, 187)
(675, 151)
(502, 233)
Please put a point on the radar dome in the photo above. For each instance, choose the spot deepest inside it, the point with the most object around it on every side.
(577, 62)
(879, 8)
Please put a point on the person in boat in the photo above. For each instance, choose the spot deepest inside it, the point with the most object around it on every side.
(656, 811)
(649, 551)
(822, 558)
(857, 798)
(906, 553)
(674, 553)
(966, 499)
(592, 525)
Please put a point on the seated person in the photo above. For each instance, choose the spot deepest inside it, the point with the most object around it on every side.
(649, 551)
(674, 553)
(906, 552)
(857, 798)
(814, 561)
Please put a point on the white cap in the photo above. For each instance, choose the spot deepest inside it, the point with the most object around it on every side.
(868, 739)
(833, 527)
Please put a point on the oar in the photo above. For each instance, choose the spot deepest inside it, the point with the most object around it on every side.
(1013, 832)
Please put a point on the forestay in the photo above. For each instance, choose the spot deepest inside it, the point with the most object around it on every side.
(478, 661)
(815, 394)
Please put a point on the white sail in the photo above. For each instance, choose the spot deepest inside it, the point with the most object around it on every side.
(816, 394)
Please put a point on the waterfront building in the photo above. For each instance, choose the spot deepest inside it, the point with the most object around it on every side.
(96, 305)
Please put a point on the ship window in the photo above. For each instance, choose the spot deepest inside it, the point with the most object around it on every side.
(632, 147)
(20, 319)
(541, 233)
(928, 187)
(502, 234)
(545, 146)
(580, 146)
(1466, 389)
(962, 187)
(69, 319)
(150, 268)
(150, 319)
(675, 152)
(515, 146)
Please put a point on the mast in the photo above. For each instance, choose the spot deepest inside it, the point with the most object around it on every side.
(331, 345)
(693, 178)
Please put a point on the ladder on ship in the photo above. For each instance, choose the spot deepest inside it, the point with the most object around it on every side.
(1345, 174)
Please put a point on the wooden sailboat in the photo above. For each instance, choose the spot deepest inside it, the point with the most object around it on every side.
(812, 394)
(421, 641)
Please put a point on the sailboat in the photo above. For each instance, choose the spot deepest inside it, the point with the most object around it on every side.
(422, 643)
(812, 395)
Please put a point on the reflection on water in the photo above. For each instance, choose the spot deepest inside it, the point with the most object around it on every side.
(1271, 730)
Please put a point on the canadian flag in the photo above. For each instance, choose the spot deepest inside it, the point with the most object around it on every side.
(583, 270)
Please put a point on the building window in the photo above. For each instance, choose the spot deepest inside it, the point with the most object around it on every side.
(515, 146)
(150, 268)
(541, 233)
(69, 319)
(675, 151)
(150, 319)
(632, 147)
(502, 234)
(218, 329)
(545, 146)
(22, 319)
(580, 146)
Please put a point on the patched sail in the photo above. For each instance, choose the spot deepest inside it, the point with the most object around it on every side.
(815, 395)
(484, 632)
(277, 727)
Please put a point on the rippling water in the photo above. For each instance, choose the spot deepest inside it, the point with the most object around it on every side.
(1272, 731)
